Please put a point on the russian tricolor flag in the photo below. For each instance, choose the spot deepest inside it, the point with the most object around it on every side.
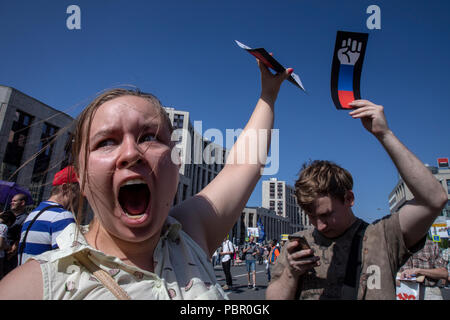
(345, 85)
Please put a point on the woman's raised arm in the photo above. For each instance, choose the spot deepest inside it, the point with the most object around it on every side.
(208, 216)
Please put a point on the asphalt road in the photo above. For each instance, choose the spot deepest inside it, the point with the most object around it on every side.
(240, 290)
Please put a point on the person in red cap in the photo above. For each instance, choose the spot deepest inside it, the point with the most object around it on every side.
(45, 223)
(66, 175)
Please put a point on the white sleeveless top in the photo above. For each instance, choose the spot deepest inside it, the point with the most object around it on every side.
(182, 270)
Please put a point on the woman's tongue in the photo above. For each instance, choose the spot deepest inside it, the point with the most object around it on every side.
(134, 199)
(134, 207)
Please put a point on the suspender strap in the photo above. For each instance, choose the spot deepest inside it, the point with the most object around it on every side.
(354, 265)
(22, 247)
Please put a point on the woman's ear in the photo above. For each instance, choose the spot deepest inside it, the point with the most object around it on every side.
(349, 198)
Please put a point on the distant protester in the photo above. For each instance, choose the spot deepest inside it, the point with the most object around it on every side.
(7, 218)
(18, 206)
(429, 263)
(227, 257)
(43, 225)
(250, 251)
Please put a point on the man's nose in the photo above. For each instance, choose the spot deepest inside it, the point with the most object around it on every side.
(321, 225)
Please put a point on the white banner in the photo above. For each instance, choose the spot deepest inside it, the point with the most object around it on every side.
(253, 232)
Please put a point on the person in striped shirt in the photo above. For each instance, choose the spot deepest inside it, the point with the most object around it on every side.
(50, 217)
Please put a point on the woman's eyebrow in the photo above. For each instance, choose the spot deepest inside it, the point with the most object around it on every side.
(111, 131)
(103, 133)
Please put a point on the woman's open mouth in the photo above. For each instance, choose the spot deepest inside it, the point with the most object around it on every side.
(134, 198)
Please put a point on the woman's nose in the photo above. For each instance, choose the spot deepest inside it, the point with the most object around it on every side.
(130, 154)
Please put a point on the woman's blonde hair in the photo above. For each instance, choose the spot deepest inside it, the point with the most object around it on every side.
(321, 178)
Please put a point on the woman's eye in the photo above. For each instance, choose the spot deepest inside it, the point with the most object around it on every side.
(105, 143)
(147, 138)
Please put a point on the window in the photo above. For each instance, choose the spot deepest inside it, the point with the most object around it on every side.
(185, 188)
(446, 210)
(205, 178)
(272, 205)
(17, 139)
(178, 120)
(43, 159)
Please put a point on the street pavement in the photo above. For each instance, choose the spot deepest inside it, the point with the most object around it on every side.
(240, 290)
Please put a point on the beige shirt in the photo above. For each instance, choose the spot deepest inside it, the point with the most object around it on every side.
(182, 270)
(383, 252)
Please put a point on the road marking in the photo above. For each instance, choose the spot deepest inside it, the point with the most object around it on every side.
(245, 274)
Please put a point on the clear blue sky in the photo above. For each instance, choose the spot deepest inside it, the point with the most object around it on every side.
(184, 52)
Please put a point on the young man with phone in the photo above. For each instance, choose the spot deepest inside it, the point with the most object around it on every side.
(348, 258)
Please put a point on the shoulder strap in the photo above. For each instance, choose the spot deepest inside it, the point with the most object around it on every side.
(102, 275)
(354, 265)
(22, 247)
(230, 248)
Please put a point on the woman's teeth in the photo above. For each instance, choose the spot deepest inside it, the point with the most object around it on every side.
(133, 182)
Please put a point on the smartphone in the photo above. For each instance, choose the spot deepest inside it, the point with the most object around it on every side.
(301, 240)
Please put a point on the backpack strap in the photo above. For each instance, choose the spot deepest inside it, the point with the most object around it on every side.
(22, 247)
(354, 265)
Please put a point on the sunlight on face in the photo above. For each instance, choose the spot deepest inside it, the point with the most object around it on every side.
(129, 149)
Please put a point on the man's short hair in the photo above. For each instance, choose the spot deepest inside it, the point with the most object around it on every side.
(21, 197)
(321, 178)
(59, 189)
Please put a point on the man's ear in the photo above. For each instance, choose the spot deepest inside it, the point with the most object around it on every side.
(65, 188)
(349, 198)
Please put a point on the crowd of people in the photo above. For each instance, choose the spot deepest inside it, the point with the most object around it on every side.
(251, 253)
(138, 246)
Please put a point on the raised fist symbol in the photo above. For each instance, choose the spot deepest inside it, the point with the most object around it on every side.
(350, 51)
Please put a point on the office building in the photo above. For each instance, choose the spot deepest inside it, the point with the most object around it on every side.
(201, 160)
(274, 225)
(401, 193)
(280, 197)
(27, 129)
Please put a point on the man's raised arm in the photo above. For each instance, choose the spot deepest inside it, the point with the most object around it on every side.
(417, 216)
